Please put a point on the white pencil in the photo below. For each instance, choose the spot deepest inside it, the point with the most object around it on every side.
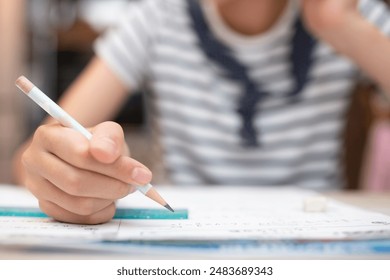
(66, 120)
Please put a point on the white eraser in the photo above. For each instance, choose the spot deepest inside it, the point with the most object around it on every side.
(315, 204)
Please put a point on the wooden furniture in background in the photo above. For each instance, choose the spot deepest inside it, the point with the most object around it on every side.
(12, 49)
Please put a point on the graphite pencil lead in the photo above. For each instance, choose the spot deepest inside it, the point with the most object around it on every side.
(169, 207)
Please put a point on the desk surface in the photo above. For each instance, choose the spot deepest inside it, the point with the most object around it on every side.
(371, 201)
(378, 202)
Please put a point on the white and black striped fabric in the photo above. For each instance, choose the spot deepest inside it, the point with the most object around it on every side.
(193, 106)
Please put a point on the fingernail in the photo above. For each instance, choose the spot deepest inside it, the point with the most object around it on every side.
(141, 176)
(108, 145)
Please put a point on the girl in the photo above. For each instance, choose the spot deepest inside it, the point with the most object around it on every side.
(248, 92)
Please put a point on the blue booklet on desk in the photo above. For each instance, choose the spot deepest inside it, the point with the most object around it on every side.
(376, 249)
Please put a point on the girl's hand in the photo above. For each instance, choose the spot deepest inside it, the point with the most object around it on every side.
(330, 19)
(76, 180)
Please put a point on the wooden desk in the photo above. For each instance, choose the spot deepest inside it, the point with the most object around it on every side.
(378, 202)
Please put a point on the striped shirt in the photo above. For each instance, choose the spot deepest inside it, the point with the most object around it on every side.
(193, 107)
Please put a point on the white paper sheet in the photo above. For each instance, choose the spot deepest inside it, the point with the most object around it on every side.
(215, 213)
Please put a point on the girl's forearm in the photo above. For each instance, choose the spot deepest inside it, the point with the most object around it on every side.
(368, 47)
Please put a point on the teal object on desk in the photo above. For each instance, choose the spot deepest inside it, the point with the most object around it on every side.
(121, 213)
(149, 213)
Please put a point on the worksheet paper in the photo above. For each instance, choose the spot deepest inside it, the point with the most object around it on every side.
(215, 214)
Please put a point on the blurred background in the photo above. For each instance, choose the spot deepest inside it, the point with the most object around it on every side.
(50, 41)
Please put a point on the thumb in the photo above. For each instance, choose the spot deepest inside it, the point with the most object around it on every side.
(107, 143)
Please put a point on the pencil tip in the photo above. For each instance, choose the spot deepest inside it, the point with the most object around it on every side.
(169, 207)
